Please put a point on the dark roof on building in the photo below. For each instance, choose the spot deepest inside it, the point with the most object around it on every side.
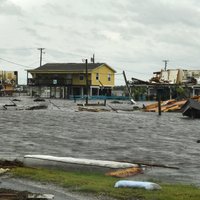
(69, 67)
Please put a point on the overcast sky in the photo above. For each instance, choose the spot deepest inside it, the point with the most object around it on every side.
(130, 35)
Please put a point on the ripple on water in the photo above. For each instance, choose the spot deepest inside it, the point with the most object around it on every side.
(169, 139)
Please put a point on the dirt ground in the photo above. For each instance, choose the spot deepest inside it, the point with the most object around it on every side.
(10, 163)
(21, 189)
(7, 194)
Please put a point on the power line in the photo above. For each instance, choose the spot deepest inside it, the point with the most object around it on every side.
(132, 71)
(14, 63)
(122, 60)
(41, 52)
(69, 53)
(16, 49)
(33, 63)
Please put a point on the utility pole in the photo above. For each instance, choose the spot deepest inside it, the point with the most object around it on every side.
(93, 58)
(128, 88)
(165, 61)
(41, 52)
(86, 70)
(159, 90)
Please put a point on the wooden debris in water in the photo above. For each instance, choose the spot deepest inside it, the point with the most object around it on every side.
(91, 104)
(166, 106)
(122, 173)
(39, 99)
(171, 105)
(37, 107)
(92, 109)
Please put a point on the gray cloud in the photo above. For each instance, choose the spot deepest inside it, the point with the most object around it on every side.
(153, 12)
(8, 8)
(137, 34)
(35, 33)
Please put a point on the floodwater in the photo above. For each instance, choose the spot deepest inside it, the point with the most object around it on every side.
(61, 130)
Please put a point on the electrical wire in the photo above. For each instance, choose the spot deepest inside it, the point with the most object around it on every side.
(26, 66)
(15, 63)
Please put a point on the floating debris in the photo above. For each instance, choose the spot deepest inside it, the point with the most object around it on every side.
(116, 102)
(191, 109)
(39, 99)
(16, 99)
(71, 163)
(166, 106)
(171, 105)
(136, 108)
(91, 104)
(93, 109)
(121, 173)
(37, 107)
(154, 165)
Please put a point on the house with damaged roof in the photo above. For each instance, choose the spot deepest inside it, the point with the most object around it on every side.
(65, 80)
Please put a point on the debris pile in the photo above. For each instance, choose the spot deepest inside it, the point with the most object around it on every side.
(191, 109)
(169, 105)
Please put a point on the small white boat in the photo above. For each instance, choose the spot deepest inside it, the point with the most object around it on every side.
(77, 164)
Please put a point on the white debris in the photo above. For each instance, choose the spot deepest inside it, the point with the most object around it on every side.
(82, 161)
(137, 184)
(132, 101)
(40, 196)
(2, 170)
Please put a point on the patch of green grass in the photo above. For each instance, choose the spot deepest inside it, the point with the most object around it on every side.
(100, 184)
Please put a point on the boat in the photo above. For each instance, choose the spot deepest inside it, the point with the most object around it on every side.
(75, 164)
(191, 109)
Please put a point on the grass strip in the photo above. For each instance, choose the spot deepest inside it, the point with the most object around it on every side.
(99, 184)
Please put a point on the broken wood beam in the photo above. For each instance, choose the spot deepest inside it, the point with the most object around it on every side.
(151, 164)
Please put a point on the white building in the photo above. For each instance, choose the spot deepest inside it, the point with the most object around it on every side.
(177, 76)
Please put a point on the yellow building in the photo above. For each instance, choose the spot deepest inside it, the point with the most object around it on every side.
(62, 80)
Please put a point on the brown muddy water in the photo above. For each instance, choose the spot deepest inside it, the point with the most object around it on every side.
(61, 130)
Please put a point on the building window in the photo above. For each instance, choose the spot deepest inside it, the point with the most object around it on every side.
(97, 76)
(109, 77)
(81, 77)
(55, 81)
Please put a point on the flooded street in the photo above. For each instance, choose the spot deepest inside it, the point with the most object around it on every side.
(61, 130)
